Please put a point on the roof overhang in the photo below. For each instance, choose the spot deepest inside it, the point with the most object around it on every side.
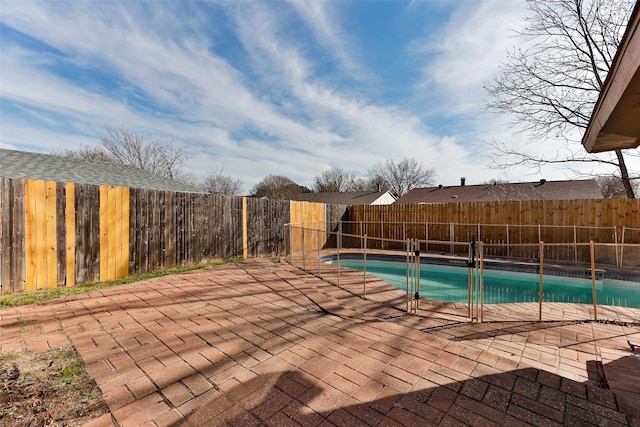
(615, 121)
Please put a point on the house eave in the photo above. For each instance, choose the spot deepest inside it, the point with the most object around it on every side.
(615, 121)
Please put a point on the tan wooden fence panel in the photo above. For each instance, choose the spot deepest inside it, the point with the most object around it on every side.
(41, 245)
(70, 234)
(114, 232)
(308, 221)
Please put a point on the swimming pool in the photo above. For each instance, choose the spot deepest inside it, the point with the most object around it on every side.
(450, 284)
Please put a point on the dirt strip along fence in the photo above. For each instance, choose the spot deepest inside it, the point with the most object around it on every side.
(62, 234)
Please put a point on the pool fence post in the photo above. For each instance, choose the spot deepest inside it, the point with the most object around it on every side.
(291, 243)
(304, 257)
(319, 246)
(469, 278)
(364, 276)
(417, 289)
(481, 253)
(407, 272)
(404, 230)
(338, 244)
(451, 236)
(622, 246)
(413, 275)
(508, 243)
(575, 246)
(412, 282)
(593, 279)
(476, 280)
(539, 233)
(541, 273)
(615, 241)
(382, 230)
(426, 234)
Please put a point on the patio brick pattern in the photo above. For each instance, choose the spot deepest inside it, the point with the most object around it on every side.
(263, 343)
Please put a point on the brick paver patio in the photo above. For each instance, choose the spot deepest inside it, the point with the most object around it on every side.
(261, 343)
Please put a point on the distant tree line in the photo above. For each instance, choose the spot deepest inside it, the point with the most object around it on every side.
(398, 178)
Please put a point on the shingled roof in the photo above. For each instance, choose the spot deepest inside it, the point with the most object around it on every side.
(348, 197)
(26, 165)
(539, 190)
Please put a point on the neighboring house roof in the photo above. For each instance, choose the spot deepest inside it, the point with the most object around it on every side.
(614, 123)
(26, 165)
(540, 190)
(349, 198)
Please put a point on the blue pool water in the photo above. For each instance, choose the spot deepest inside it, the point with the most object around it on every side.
(451, 283)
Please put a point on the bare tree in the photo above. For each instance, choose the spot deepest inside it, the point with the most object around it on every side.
(85, 152)
(370, 184)
(551, 86)
(334, 180)
(217, 183)
(278, 187)
(128, 148)
(403, 176)
(613, 188)
(119, 145)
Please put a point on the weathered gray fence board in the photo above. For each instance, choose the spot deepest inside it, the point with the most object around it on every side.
(12, 233)
(61, 233)
(6, 236)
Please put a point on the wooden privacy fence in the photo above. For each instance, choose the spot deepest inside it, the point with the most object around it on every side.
(61, 234)
(588, 212)
(507, 222)
(614, 213)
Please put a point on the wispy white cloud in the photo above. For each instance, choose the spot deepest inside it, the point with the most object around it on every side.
(180, 78)
(24, 81)
(466, 54)
(368, 132)
(459, 61)
(463, 59)
(324, 22)
(243, 85)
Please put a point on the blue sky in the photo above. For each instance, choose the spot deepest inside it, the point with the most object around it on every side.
(265, 87)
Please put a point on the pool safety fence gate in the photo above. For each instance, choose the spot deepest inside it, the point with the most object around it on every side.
(474, 266)
(351, 261)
